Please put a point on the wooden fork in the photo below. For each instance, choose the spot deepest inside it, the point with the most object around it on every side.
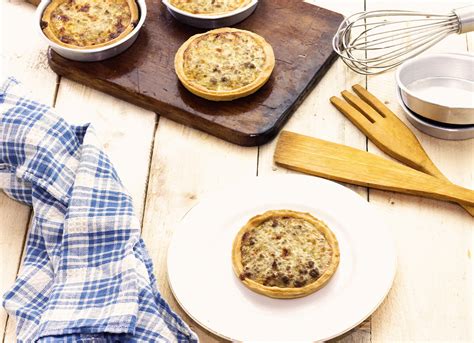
(387, 131)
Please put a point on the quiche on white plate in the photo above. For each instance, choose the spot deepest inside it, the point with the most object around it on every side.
(224, 64)
(285, 254)
(88, 24)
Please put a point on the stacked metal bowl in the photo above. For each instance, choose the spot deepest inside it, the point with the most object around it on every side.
(437, 94)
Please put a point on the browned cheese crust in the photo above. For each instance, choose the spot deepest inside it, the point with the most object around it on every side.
(224, 64)
(209, 6)
(88, 24)
(285, 254)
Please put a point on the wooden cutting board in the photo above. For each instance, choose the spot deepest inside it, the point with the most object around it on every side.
(300, 34)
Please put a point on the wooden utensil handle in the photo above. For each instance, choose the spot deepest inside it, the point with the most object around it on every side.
(343, 163)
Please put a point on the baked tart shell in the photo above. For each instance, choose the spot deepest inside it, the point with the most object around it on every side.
(227, 95)
(280, 292)
(46, 23)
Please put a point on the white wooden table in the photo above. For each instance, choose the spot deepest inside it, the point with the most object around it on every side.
(167, 167)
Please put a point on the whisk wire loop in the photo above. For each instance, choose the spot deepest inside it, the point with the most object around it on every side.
(375, 41)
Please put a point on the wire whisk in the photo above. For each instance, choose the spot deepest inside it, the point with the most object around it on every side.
(372, 42)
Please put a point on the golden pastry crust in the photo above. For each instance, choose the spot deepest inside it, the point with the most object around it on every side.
(88, 24)
(224, 64)
(209, 6)
(285, 254)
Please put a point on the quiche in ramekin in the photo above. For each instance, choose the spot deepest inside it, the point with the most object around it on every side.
(88, 24)
(209, 6)
(224, 64)
(285, 254)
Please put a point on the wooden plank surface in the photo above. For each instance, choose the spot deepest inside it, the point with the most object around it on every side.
(126, 132)
(28, 63)
(13, 225)
(145, 74)
(431, 299)
(186, 164)
(317, 117)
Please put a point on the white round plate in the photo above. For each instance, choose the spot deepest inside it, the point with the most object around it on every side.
(204, 284)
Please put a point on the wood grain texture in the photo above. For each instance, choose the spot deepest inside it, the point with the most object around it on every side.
(470, 41)
(317, 117)
(186, 165)
(342, 163)
(144, 74)
(27, 63)
(431, 299)
(360, 334)
(13, 225)
(125, 130)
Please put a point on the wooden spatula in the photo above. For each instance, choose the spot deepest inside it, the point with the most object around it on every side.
(342, 163)
(387, 131)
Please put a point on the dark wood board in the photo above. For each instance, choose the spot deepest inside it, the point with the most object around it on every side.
(299, 33)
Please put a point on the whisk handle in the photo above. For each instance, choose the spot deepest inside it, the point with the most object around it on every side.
(466, 18)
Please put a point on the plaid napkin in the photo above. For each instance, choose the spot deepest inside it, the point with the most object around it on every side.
(86, 276)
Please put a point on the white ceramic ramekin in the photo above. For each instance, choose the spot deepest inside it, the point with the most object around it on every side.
(98, 54)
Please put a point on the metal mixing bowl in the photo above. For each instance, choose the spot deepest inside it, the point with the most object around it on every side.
(98, 54)
(205, 21)
(439, 87)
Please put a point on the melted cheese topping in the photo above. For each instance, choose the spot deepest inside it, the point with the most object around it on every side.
(224, 61)
(285, 252)
(208, 6)
(90, 22)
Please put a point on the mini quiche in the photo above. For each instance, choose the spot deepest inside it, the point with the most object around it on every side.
(88, 24)
(209, 6)
(285, 254)
(224, 64)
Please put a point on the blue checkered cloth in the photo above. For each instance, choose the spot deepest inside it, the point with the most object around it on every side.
(86, 276)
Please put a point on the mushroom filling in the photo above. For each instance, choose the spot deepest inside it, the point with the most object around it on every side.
(224, 61)
(284, 252)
